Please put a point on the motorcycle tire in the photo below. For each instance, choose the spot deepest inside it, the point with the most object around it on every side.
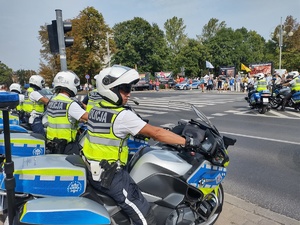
(263, 109)
(214, 218)
(275, 102)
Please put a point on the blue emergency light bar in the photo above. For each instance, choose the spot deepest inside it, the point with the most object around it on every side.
(8, 100)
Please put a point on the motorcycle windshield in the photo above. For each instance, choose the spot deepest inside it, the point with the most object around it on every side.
(182, 111)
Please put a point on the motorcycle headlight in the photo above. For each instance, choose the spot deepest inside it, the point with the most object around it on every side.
(220, 156)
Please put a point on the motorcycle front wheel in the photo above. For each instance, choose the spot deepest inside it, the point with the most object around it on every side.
(214, 217)
(275, 102)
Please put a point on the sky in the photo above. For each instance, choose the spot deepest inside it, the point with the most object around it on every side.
(20, 20)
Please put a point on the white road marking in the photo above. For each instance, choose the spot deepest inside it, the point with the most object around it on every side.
(261, 138)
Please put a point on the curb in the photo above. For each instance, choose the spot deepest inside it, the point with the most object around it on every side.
(237, 211)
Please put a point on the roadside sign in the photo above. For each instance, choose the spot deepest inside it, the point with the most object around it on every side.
(87, 76)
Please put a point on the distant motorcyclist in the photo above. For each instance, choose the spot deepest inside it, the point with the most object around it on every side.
(295, 87)
(259, 85)
(63, 114)
(34, 104)
(105, 148)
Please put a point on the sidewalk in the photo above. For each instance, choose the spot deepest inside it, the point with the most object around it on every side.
(239, 212)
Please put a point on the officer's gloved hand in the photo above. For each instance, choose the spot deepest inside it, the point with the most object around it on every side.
(192, 143)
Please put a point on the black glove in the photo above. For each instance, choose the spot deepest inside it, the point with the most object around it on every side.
(192, 143)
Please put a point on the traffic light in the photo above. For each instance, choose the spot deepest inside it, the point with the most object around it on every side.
(53, 37)
(67, 26)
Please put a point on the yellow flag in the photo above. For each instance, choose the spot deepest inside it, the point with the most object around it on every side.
(243, 67)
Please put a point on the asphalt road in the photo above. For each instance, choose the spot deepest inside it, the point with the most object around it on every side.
(264, 164)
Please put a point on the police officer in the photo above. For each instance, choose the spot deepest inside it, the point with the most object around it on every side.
(92, 98)
(63, 114)
(34, 104)
(259, 85)
(13, 117)
(15, 87)
(295, 87)
(109, 125)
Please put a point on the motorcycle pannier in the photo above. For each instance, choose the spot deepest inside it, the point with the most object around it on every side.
(23, 144)
(47, 175)
(67, 210)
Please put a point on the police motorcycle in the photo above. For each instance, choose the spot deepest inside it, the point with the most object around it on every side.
(259, 100)
(279, 93)
(182, 184)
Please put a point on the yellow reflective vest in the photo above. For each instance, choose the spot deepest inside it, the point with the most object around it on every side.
(59, 125)
(296, 86)
(94, 98)
(29, 106)
(100, 141)
(261, 85)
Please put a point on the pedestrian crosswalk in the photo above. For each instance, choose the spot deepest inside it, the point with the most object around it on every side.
(158, 106)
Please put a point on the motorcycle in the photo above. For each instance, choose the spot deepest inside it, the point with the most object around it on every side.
(279, 93)
(260, 101)
(182, 184)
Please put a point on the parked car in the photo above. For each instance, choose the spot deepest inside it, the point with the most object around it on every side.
(184, 85)
(196, 84)
(171, 83)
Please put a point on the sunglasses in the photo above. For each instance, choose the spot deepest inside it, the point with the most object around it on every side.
(125, 87)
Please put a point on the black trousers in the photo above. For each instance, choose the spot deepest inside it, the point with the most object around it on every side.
(128, 196)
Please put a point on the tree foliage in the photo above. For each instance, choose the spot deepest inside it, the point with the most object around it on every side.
(139, 45)
(210, 29)
(5, 74)
(88, 55)
(175, 36)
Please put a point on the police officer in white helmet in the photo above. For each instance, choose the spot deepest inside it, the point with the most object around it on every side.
(63, 113)
(109, 125)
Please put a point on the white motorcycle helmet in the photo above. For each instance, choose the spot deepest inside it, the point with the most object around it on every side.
(260, 76)
(68, 81)
(37, 80)
(15, 87)
(111, 80)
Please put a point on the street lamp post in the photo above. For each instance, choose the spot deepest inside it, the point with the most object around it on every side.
(281, 33)
(107, 46)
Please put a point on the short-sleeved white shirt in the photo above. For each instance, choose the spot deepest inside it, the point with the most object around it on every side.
(127, 122)
(74, 111)
(293, 82)
(21, 98)
(35, 96)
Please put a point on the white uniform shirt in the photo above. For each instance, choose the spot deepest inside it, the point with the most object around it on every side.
(127, 122)
(35, 96)
(21, 98)
(74, 111)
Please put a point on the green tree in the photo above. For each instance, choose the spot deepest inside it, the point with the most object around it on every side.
(139, 45)
(23, 76)
(290, 45)
(192, 57)
(5, 74)
(230, 48)
(210, 29)
(175, 36)
(89, 51)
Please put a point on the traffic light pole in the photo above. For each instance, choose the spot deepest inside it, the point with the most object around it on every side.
(61, 40)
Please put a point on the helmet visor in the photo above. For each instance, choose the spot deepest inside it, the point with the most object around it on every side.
(125, 88)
